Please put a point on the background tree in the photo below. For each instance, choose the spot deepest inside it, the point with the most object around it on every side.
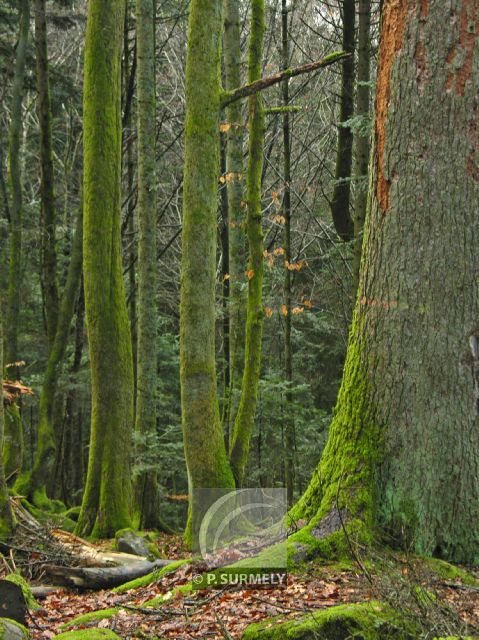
(244, 421)
(106, 505)
(403, 444)
(202, 430)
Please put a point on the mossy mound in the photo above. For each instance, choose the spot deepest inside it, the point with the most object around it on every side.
(89, 634)
(449, 571)
(366, 621)
(11, 630)
(184, 589)
(30, 601)
(93, 616)
(73, 513)
(155, 576)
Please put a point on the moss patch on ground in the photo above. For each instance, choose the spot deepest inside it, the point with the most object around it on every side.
(449, 571)
(89, 634)
(366, 621)
(93, 616)
(155, 576)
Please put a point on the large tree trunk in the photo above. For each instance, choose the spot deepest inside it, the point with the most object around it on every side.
(203, 438)
(106, 503)
(49, 256)
(244, 422)
(403, 445)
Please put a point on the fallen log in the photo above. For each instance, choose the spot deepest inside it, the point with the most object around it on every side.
(102, 577)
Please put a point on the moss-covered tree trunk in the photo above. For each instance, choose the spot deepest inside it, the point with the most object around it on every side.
(6, 517)
(147, 385)
(15, 184)
(236, 213)
(106, 503)
(362, 136)
(289, 439)
(244, 422)
(48, 226)
(205, 449)
(403, 445)
(44, 465)
(340, 203)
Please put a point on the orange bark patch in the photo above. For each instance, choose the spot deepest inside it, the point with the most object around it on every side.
(468, 33)
(394, 20)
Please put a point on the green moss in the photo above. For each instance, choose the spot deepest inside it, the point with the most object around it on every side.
(73, 513)
(344, 481)
(366, 621)
(27, 594)
(449, 571)
(184, 589)
(13, 442)
(60, 520)
(12, 630)
(93, 616)
(155, 576)
(89, 634)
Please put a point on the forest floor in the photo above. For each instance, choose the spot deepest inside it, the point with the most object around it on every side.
(222, 614)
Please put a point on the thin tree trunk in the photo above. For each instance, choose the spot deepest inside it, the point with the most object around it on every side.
(203, 437)
(106, 505)
(289, 439)
(148, 500)
(6, 516)
(44, 464)
(244, 422)
(49, 256)
(340, 203)
(403, 445)
(236, 213)
(15, 266)
(362, 138)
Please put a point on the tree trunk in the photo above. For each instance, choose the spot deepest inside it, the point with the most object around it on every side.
(49, 256)
(342, 186)
(6, 517)
(106, 503)
(244, 422)
(403, 445)
(44, 465)
(203, 438)
(148, 501)
(362, 137)
(236, 214)
(15, 266)
(289, 439)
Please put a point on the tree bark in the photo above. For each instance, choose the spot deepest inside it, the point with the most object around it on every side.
(49, 255)
(106, 503)
(340, 203)
(362, 137)
(44, 464)
(403, 445)
(6, 516)
(203, 438)
(289, 439)
(244, 422)
(148, 500)
(236, 214)
(15, 265)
